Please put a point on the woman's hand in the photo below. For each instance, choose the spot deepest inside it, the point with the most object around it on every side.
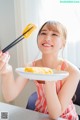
(4, 59)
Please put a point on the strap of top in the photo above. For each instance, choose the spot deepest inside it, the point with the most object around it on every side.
(33, 63)
(64, 65)
(59, 84)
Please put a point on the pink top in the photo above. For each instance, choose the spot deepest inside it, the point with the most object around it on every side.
(41, 104)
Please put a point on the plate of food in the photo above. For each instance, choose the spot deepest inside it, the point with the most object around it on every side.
(42, 73)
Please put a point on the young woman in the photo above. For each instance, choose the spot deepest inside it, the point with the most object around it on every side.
(54, 98)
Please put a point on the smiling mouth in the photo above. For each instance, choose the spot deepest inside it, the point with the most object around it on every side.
(47, 45)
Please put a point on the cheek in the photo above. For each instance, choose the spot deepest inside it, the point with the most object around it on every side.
(59, 43)
(39, 40)
(62, 42)
(38, 43)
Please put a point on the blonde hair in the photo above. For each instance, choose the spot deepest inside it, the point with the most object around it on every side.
(57, 27)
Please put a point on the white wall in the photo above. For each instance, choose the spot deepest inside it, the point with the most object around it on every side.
(7, 29)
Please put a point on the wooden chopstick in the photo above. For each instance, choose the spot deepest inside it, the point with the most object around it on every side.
(15, 41)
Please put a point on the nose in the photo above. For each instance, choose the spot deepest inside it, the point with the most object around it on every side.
(48, 38)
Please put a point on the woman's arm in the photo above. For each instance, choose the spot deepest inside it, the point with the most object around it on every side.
(10, 87)
(57, 104)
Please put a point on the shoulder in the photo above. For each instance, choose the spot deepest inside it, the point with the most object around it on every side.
(71, 66)
(72, 69)
(74, 74)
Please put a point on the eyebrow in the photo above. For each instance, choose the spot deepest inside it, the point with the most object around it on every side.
(50, 30)
(43, 30)
(56, 32)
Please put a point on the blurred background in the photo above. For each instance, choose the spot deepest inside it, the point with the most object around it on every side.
(16, 14)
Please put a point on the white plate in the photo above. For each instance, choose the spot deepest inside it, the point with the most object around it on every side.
(58, 75)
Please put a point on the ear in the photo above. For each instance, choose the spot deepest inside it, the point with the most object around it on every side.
(64, 43)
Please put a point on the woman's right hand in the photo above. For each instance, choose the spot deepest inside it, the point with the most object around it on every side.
(4, 59)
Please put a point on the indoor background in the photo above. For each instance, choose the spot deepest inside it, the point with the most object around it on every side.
(16, 14)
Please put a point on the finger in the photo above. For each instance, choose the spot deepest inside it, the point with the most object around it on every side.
(2, 64)
(5, 69)
(4, 60)
(4, 57)
(8, 58)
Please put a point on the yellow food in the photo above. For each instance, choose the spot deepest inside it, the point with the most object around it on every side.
(31, 27)
(39, 70)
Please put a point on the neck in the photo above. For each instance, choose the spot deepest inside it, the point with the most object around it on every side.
(50, 61)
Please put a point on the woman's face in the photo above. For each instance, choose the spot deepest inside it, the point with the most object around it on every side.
(49, 41)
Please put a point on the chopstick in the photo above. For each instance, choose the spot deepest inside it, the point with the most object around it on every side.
(15, 41)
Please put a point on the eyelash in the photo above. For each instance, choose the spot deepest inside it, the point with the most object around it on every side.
(46, 33)
(43, 33)
(54, 34)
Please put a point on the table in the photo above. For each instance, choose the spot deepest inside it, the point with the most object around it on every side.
(18, 113)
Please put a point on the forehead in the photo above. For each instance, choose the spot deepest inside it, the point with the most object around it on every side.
(51, 27)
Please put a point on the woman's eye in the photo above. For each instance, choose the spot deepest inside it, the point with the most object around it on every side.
(54, 34)
(43, 33)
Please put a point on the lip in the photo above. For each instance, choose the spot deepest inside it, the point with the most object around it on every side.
(47, 45)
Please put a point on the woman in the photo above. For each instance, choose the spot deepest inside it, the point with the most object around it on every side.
(54, 98)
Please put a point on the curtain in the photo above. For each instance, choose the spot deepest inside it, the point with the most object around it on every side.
(39, 12)
(27, 12)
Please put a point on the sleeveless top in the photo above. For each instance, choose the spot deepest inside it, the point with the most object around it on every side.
(41, 104)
